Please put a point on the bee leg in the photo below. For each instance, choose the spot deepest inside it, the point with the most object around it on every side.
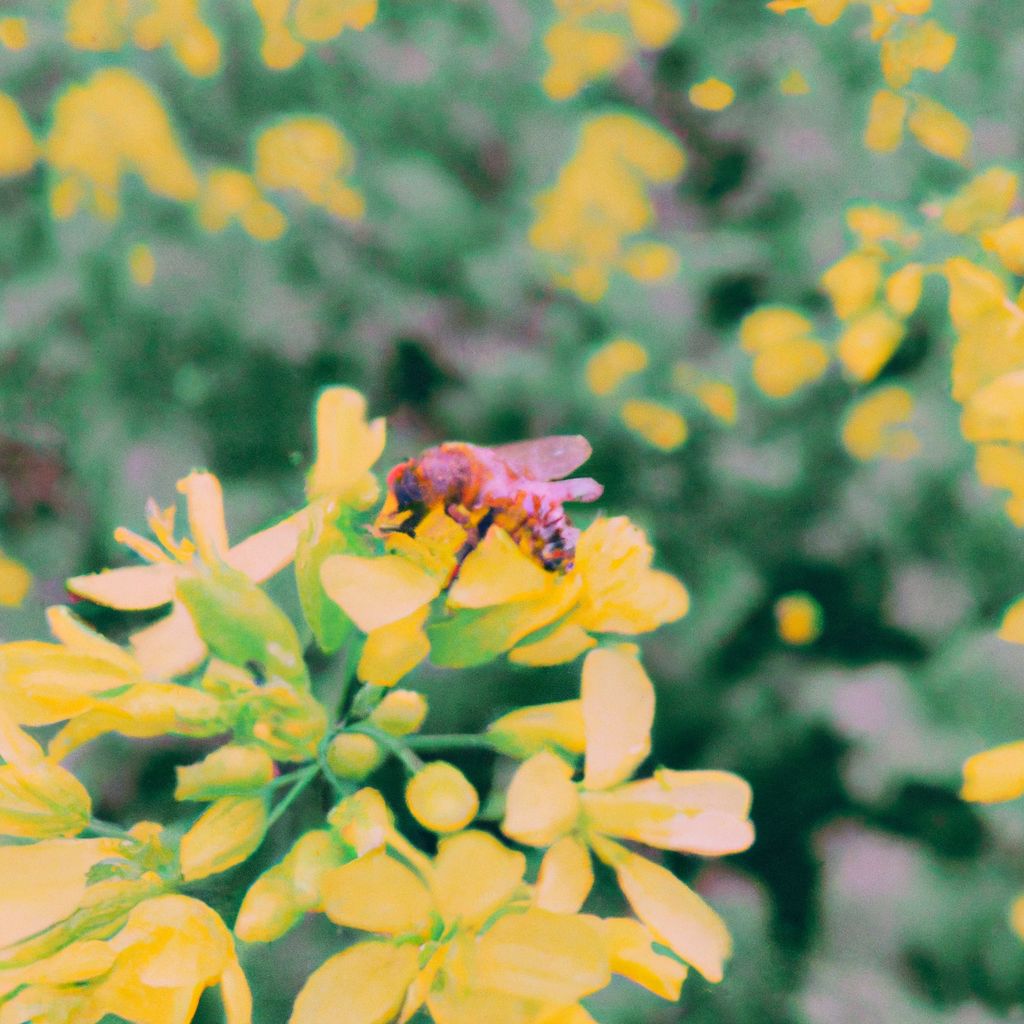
(459, 513)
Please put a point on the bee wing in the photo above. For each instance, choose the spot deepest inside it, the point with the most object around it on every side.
(545, 458)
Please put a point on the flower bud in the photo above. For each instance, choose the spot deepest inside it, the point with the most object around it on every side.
(232, 769)
(400, 713)
(225, 835)
(353, 755)
(268, 910)
(362, 820)
(441, 798)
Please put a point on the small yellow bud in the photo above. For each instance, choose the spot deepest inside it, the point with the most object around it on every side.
(353, 755)
(441, 798)
(231, 769)
(225, 835)
(712, 94)
(400, 713)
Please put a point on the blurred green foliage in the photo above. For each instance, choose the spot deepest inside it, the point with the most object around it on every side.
(872, 892)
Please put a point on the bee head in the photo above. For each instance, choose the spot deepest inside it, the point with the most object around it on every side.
(404, 485)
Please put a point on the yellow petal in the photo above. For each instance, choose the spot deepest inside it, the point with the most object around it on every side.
(364, 984)
(633, 956)
(783, 370)
(205, 502)
(15, 581)
(496, 571)
(613, 363)
(868, 343)
(675, 913)
(798, 617)
(72, 632)
(347, 446)
(376, 893)
(474, 874)
(712, 94)
(391, 652)
(884, 131)
(903, 289)
(134, 588)
(657, 424)
(995, 775)
(170, 647)
(566, 643)
(853, 283)
(542, 804)
(556, 958)
(375, 592)
(269, 551)
(441, 798)
(51, 882)
(770, 326)
(224, 835)
(996, 411)
(528, 730)
(618, 712)
(1012, 628)
(939, 130)
(566, 877)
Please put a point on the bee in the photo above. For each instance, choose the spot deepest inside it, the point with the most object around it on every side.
(516, 487)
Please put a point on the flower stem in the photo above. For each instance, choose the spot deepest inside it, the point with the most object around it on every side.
(106, 828)
(393, 745)
(302, 779)
(452, 741)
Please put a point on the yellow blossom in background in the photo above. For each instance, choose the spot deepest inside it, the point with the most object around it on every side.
(142, 265)
(984, 202)
(586, 224)
(786, 356)
(995, 775)
(231, 195)
(657, 424)
(111, 126)
(15, 581)
(718, 397)
(289, 26)
(875, 427)
(793, 83)
(938, 129)
(177, 24)
(18, 149)
(712, 94)
(613, 363)
(311, 156)
(593, 38)
(798, 619)
(823, 12)
(13, 33)
(868, 343)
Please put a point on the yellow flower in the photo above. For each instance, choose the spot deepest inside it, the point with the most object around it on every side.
(875, 427)
(852, 284)
(289, 24)
(613, 363)
(939, 130)
(984, 202)
(152, 971)
(798, 619)
(995, 775)
(226, 833)
(588, 221)
(698, 811)
(591, 40)
(15, 581)
(311, 156)
(18, 149)
(112, 125)
(445, 944)
(884, 131)
(172, 645)
(657, 424)
(712, 94)
(786, 357)
(13, 33)
(868, 342)
(229, 194)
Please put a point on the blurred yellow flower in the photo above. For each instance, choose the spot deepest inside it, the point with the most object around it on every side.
(984, 202)
(613, 363)
(794, 83)
(18, 149)
(712, 94)
(798, 619)
(232, 195)
(884, 130)
(868, 342)
(657, 424)
(875, 426)
(995, 775)
(587, 222)
(593, 38)
(311, 156)
(141, 265)
(938, 129)
(110, 126)
(13, 33)
(786, 356)
(288, 25)
(15, 581)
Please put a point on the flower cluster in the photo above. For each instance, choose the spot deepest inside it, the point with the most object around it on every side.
(114, 125)
(588, 221)
(593, 38)
(461, 572)
(908, 42)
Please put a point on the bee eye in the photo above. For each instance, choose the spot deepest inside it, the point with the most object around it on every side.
(407, 489)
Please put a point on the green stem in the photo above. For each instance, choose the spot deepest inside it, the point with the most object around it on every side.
(393, 745)
(302, 780)
(452, 741)
(353, 651)
(106, 828)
